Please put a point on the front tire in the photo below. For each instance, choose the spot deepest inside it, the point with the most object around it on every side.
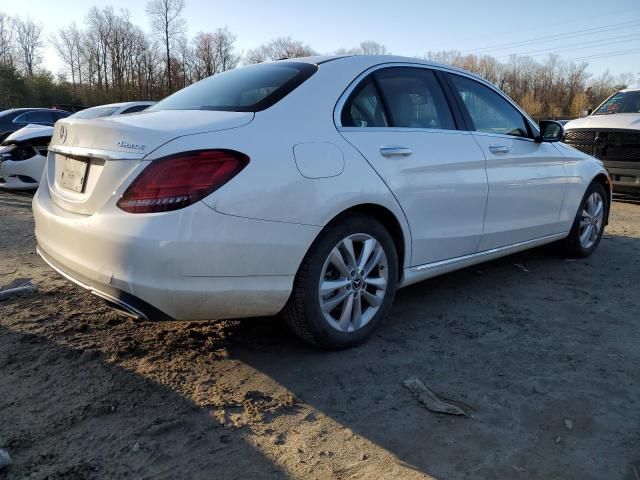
(345, 285)
(588, 225)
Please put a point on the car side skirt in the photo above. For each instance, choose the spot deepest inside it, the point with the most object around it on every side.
(422, 272)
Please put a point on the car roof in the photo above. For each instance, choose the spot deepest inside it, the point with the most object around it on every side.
(14, 112)
(125, 104)
(27, 109)
(631, 89)
(372, 60)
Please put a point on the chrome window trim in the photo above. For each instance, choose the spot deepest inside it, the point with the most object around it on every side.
(337, 111)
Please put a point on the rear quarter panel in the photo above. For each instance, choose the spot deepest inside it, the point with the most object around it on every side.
(272, 187)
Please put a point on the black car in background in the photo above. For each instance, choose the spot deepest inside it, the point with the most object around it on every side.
(16, 118)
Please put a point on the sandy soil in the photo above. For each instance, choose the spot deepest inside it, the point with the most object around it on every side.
(545, 350)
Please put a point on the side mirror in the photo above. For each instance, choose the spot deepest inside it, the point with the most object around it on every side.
(550, 131)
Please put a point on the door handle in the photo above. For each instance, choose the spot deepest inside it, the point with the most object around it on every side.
(499, 149)
(395, 151)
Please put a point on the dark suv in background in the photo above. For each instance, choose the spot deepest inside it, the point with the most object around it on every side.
(16, 118)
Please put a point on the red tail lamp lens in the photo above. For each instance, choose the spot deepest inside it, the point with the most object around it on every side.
(180, 180)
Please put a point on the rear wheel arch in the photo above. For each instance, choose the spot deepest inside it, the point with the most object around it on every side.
(387, 218)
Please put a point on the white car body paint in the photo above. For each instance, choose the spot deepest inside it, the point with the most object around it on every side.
(12, 170)
(318, 159)
(236, 252)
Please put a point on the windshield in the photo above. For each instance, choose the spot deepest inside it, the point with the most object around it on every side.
(247, 89)
(620, 102)
(95, 112)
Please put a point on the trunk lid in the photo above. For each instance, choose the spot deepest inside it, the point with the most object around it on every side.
(89, 159)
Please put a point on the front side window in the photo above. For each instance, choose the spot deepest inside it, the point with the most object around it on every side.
(414, 98)
(489, 112)
(42, 116)
(247, 89)
(58, 114)
(364, 107)
(620, 102)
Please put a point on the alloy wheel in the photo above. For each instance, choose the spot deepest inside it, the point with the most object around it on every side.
(591, 220)
(353, 282)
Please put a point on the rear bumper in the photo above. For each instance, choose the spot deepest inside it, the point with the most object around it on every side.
(625, 176)
(191, 264)
(120, 300)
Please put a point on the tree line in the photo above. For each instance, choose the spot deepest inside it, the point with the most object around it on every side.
(110, 58)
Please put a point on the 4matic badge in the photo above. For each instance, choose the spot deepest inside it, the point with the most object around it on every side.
(132, 146)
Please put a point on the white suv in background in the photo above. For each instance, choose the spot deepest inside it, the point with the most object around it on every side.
(612, 134)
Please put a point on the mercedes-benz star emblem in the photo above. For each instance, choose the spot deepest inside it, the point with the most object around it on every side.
(63, 133)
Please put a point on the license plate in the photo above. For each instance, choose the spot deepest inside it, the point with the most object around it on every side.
(74, 174)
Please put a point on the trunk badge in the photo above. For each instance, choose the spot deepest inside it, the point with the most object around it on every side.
(132, 146)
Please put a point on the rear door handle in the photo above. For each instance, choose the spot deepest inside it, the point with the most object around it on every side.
(395, 151)
(499, 149)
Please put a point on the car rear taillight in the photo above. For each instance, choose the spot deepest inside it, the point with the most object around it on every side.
(180, 180)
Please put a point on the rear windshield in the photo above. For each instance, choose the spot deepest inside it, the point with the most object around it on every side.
(247, 89)
(95, 112)
(621, 102)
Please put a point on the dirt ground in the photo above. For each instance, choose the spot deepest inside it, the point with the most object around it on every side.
(545, 350)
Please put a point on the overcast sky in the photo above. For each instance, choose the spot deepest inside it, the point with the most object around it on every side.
(405, 27)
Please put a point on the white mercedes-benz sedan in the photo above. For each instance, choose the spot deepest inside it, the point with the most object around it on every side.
(314, 187)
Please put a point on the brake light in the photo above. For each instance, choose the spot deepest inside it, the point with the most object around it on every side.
(180, 180)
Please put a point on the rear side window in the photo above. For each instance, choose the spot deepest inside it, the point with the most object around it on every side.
(400, 97)
(414, 98)
(135, 108)
(489, 112)
(247, 89)
(95, 112)
(364, 107)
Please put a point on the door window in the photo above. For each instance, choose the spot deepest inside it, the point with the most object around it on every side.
(364, 107)
(489, 112)
(136, 108)
(57, 115)
(414, 98)
(42, 116)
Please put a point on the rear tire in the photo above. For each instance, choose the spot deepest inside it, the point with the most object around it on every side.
(345, 285)
(588, 226)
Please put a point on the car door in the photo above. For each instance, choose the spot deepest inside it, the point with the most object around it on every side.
(526, 178)
(401, 122)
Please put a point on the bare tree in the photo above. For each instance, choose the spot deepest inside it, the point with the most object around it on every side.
(68, 45)
(225, 52)
(29, 43)
(167, 24)
(7, 45)
(278, 48)
(214, 52)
